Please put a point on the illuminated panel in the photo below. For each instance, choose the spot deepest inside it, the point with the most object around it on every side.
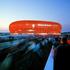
(68, 41)
(35, 27)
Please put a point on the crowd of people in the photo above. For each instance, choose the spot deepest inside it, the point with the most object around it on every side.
(33, 52)
(62, 55)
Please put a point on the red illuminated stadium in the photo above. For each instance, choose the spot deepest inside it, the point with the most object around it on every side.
(35, 27)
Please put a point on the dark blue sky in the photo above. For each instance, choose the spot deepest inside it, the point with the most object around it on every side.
(50, 10)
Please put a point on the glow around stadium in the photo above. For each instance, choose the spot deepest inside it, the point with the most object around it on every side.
(35, 27)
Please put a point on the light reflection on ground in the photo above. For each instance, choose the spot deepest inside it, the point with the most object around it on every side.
(49, 63)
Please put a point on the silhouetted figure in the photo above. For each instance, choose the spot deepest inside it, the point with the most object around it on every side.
(62, 57)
